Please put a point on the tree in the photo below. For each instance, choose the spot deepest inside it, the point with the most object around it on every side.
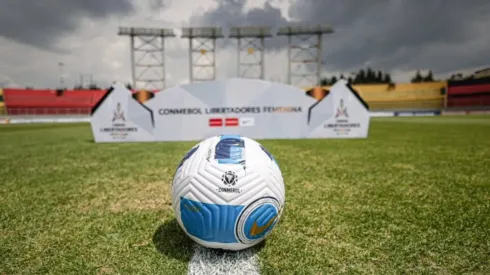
(387, 78)
(360, 77)
(379, 77)
(417, 78)
(370, 76)
(457, 76)
(429, 77)
(323, 82)
(367, 76)
(333, 80)
(93, 86)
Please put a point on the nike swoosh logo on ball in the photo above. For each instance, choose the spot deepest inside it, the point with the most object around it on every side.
(256, 230)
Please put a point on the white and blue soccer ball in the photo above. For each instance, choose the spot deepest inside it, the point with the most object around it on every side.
(228, 192)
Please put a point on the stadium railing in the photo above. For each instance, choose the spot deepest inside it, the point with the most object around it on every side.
(44, 115)
(46, 111)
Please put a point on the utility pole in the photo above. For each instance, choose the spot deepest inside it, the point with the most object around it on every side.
(60, 66)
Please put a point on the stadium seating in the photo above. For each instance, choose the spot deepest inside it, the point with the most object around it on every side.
(473, 93)
(54, 102)
(468, 94)
(50, 102)
(404, 96)
(2, 104)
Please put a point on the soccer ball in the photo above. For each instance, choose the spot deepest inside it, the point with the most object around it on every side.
(228, 192)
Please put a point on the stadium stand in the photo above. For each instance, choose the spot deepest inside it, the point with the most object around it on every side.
(50, 102)
(469, 94)
(2, 104)
(429, 96)
(483, 73)
(403, 96)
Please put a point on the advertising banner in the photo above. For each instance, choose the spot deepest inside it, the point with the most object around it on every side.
(254, 108)
(341, 114)
(118, 117)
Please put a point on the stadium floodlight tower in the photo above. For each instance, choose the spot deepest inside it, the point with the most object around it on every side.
(202, 55)
(250, 55)
(305, 50)
(147, 56)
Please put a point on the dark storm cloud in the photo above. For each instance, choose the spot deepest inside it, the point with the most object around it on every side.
(433, 34)
(231, 13)
(41, 22)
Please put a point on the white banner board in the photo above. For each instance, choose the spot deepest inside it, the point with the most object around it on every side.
(118, 117)
(254, 108)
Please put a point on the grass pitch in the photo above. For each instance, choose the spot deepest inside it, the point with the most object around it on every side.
(413, 198)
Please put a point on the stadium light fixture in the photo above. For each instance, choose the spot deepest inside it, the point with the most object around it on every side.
(202, 55)
(305, 55)
(250, 41)
(147, 55)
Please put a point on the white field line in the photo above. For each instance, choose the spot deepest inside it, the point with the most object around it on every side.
(212, 262)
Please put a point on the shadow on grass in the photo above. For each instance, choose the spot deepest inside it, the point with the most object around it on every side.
(170, 240)
(222, 252)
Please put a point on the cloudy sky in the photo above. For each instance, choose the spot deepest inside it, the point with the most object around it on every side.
(399, 36)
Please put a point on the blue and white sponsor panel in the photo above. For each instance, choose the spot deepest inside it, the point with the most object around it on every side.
(382, 114)
(404, 113)
(418, 113)
(43, 119)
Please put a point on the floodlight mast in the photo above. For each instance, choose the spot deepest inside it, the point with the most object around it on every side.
(206, 47)
(313, 49)
(254, 38)
(151, 45)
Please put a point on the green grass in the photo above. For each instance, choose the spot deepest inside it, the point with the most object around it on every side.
(413, 198)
